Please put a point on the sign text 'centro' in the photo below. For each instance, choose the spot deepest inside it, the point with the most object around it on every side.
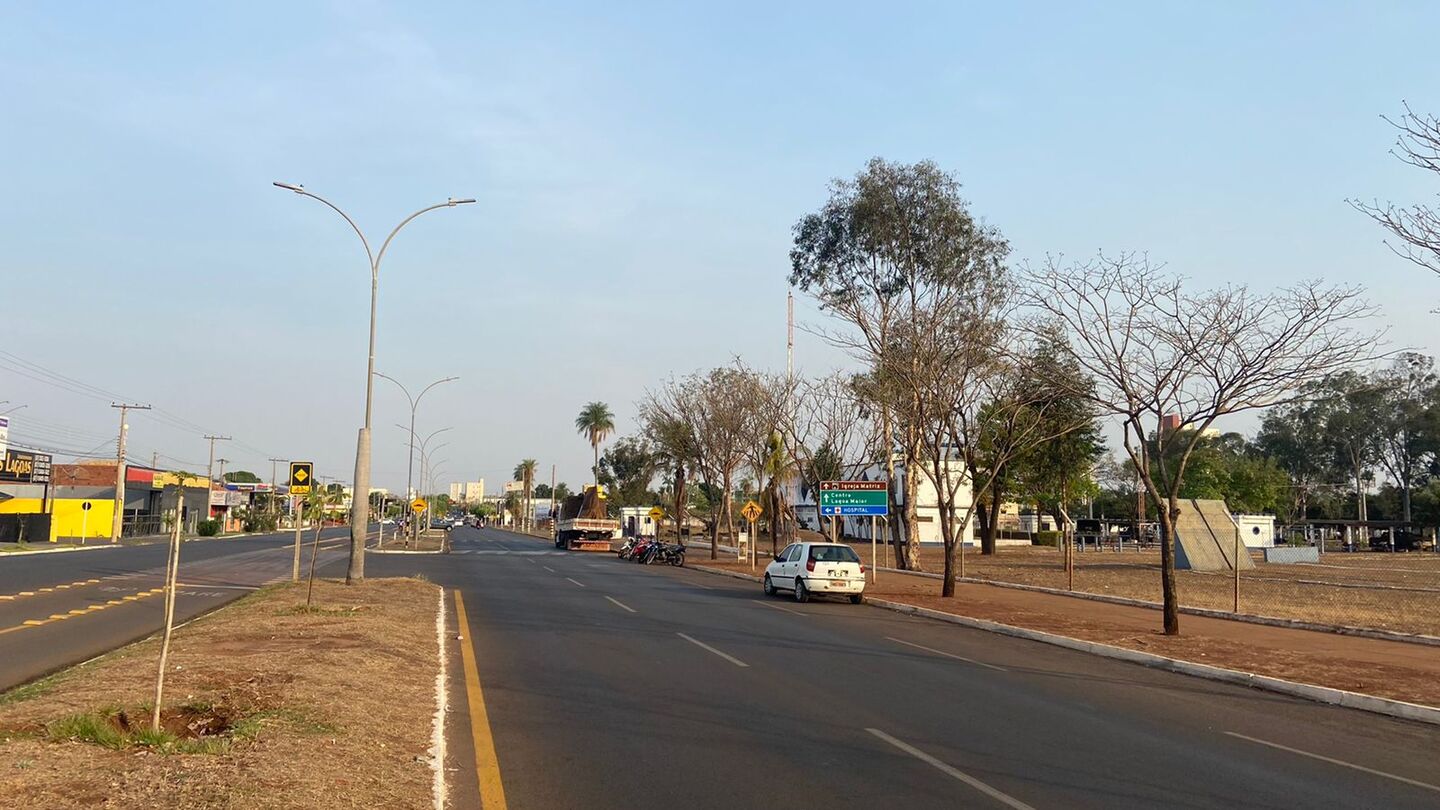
(854, 498)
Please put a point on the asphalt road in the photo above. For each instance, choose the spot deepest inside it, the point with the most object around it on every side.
(61, 609)
(613, 685)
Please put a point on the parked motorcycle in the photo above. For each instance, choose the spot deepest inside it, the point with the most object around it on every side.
(675, 555)
(628, 548)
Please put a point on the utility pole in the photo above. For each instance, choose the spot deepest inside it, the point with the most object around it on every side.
(155, 460)
(273, 462)
(210, 466)
(552, 501)
(222, 462)
(119, 510)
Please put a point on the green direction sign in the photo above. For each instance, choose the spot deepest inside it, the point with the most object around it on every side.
(854, 498)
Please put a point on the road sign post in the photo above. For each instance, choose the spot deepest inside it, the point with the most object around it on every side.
(841, 499)
(656, 515)
(302, 477)
(302, 474)
(751, 512)
(84, 521)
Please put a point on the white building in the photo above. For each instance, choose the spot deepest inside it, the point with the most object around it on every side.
(468, 491)
(927, 510)
(1257, 531)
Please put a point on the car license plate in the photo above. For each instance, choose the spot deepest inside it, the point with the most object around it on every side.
(838, 583)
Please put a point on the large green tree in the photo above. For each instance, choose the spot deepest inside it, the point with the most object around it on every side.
(626, 470)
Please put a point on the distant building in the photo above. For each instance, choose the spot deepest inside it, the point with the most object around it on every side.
(468, 491)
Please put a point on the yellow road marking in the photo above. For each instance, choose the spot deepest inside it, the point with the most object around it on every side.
(487, 766)
(49, 589)
(55, 617)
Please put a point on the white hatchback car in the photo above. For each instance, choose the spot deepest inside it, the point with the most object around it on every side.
(811, 568)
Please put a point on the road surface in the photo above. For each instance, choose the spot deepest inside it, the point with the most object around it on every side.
(606, 684)
(61, 609)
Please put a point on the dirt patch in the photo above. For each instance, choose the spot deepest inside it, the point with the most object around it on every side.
(266, 707)
(1393, 669)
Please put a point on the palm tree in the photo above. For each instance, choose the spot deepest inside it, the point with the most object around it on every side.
(595, 423)
(525, 474)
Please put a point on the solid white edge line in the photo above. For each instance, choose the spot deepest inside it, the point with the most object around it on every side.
(581, 584)
(702, 645)
(618, 603)
(442, 700)
(1372, 771)
(1003, 798)
(946, 654)
(778, 607)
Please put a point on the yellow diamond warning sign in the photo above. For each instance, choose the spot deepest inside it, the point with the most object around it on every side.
(418, 505)
(751, 511)
(300, 474)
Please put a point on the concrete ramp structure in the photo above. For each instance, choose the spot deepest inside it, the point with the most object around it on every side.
(1206, 537)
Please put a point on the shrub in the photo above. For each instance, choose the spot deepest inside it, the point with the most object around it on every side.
(207, 528)
(1051, 539)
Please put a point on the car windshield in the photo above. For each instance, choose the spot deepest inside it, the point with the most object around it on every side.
(833, 554)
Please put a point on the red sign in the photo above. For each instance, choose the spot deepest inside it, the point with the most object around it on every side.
(854, 486)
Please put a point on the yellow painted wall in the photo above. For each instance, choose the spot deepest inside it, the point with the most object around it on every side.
(67, 518)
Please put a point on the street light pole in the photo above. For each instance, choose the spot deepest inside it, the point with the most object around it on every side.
(414, 404)
(360, 507)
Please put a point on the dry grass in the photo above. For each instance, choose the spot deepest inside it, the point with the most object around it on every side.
(1381, 591)
(309, 697)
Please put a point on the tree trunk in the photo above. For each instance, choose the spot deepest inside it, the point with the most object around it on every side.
(680, 503)
(729, 510)
(989, 520)
(1167, 518)
(1405, 500)
(908, 554)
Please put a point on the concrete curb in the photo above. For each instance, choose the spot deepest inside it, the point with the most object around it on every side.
(1250, 618)
(1320, 694)
(7, 554)
(372, 550)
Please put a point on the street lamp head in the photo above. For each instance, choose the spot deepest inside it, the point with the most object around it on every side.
(452, 202)
(298, 189)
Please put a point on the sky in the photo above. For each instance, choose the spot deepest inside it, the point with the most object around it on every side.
(638, 168)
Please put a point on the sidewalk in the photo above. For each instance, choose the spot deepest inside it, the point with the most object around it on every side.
(1390, 669)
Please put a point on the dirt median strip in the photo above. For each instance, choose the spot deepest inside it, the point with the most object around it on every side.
(268, 706)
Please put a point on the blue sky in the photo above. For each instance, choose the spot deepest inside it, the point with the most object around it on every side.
(638, 167)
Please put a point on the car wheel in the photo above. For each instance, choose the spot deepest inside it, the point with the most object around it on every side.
(802, 594)
(769, 586)
(857, 598)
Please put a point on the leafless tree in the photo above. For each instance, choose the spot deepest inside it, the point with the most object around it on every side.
(827, 431)
(1417, 227)
(1155, 351)
(709, 410)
